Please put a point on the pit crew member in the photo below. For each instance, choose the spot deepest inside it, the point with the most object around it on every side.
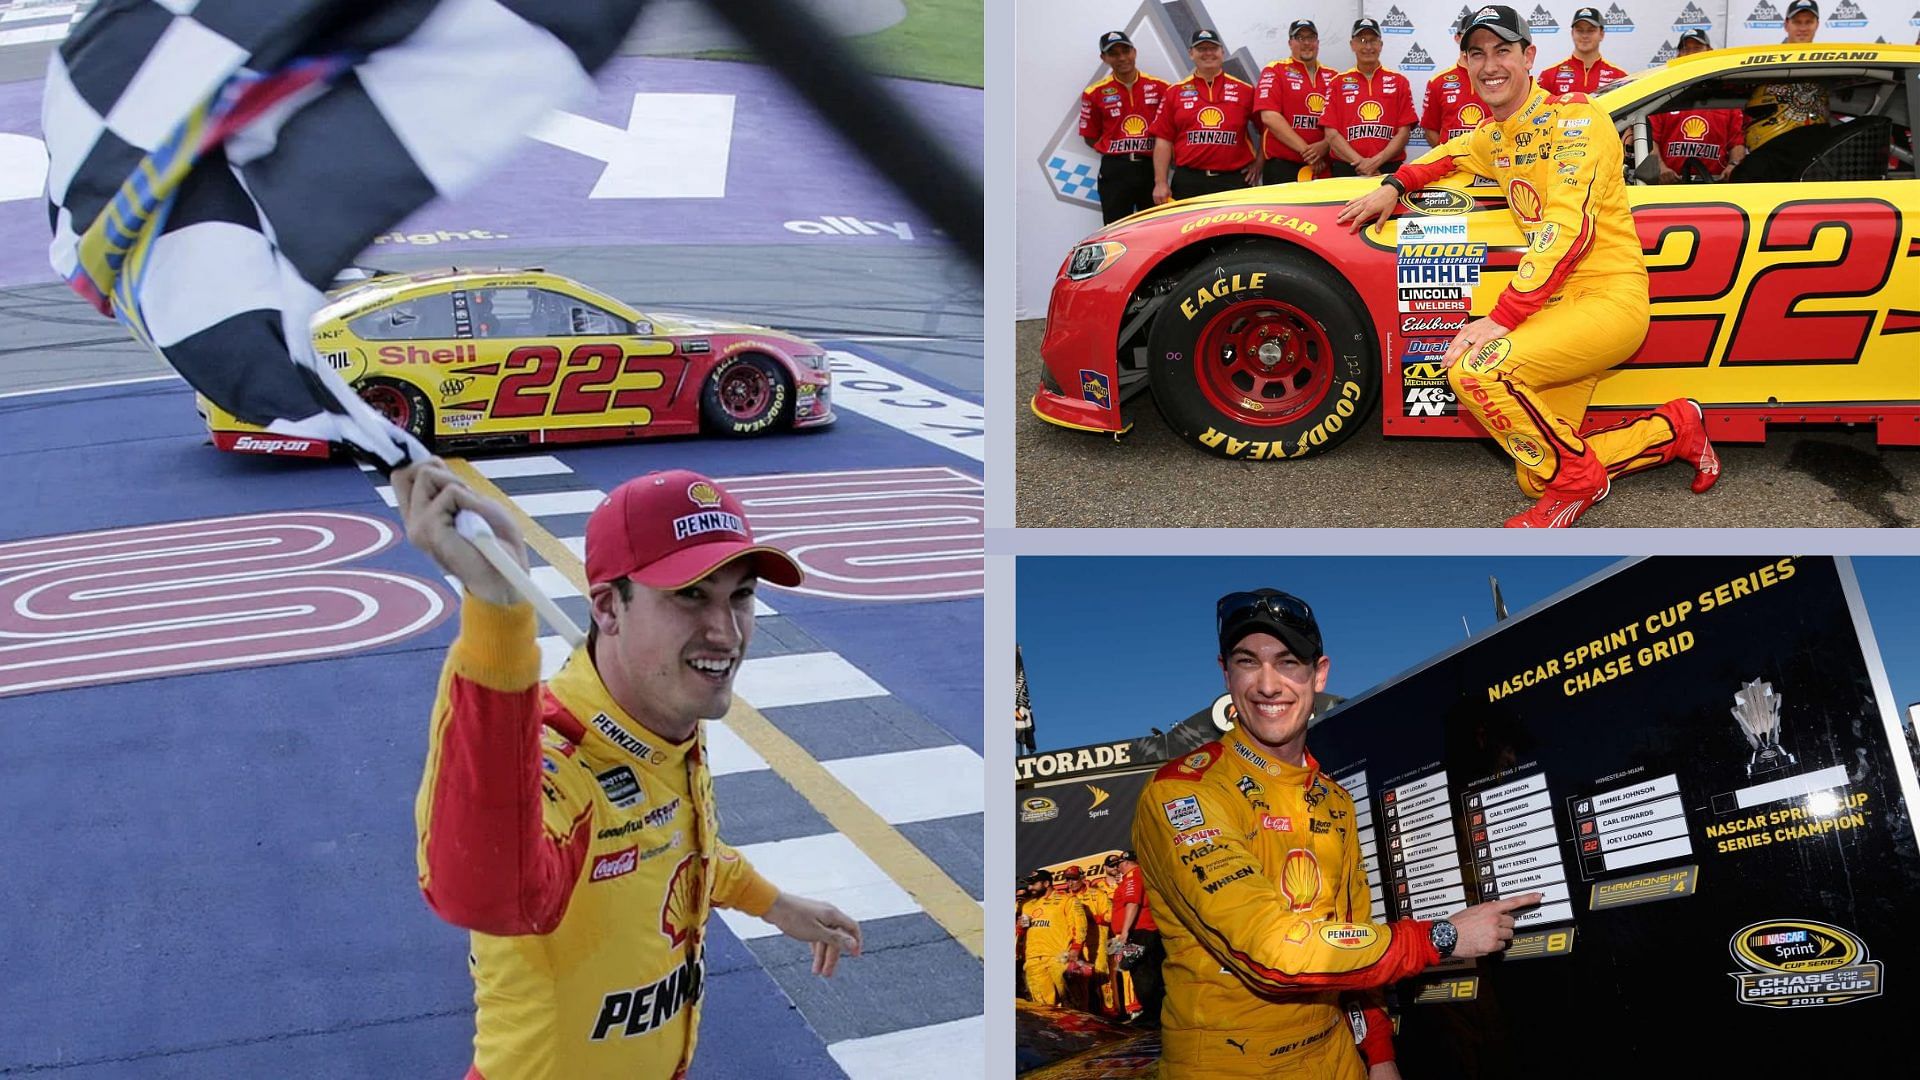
(570, 824)
(1202, 131)
(1451, 108)
(1698, 143)
(1256, 878)
(1370, 115)
(1576, 306)
(1291, 96)
(1056, 936)
(1133, 925)
(1114, 115)
(1585, 72)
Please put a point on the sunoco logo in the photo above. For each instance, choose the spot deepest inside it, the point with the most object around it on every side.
(1691, 18)
(1542, 21)
(1617, 21)
(1799, 963)
(1416, 59)
(1396, 22)
(1764, 16)
(1847, 14)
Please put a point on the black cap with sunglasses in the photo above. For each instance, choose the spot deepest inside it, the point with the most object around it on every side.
(1270, 611)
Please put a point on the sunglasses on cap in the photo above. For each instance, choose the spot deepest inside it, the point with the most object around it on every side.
(1285, 608)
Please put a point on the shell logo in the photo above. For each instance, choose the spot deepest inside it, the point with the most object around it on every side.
(1300, 879)
(1133, 125)
(1371, 111)
(1303, 174)
(1693, 127)
(1316, 103)
(1471, 114)
(676, 912)
(1211, 116)
(703, 494)
(1524, 200)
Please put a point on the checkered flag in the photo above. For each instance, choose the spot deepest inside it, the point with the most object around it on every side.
(214, 164)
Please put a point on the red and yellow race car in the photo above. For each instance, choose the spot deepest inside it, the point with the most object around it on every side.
(1787, 293)
(482, 358)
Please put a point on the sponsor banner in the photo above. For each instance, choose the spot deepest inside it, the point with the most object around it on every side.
(1091, 815)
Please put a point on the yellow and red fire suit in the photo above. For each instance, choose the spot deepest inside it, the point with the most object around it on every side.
(581, 850)
(1056, 926)
(1577, 304)
(1254, 873)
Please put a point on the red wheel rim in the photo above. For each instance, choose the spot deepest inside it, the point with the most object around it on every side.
(745, 391)
(1263, 362)
(389, 402)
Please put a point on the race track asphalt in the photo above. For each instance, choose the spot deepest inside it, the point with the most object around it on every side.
(1809, 478)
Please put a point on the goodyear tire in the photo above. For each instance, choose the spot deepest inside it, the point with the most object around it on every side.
(402, 403)
(746, 395)
(1262, 355)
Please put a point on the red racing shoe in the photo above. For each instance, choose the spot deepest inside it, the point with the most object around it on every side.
(1581, 483)
(1690, 441)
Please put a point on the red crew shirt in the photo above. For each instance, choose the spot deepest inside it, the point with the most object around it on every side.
(1118, 115)
(1299, 98)
(1131, 890)
(1570, 76)
(1704, 135)
(1452, 108)
(1367, 112)
(1207, 124)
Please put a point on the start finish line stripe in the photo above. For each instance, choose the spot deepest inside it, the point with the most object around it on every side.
(864, 387)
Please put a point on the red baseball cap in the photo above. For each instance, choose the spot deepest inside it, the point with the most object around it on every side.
(667, 530)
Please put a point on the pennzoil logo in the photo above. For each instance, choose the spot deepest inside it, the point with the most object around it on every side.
(1038, 808)
(1799, 963)
(1348, 935)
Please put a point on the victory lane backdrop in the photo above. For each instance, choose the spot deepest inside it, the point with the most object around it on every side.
(1074, 820)
(1057, 58)
(1590, 750)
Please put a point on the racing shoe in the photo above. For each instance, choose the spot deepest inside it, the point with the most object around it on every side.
(1690, 441)
(1582, 482)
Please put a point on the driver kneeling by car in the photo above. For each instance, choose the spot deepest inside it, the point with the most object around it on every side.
(1577, 304)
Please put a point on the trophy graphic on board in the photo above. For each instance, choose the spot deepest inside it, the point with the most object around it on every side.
(1756, 708)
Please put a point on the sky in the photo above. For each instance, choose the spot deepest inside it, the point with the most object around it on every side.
(1114, 645)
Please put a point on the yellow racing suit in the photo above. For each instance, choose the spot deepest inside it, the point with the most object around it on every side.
(1254, 873)
(1577, 304)
(1056, 926)
(581, 850)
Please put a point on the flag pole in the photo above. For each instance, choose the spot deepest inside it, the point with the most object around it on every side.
(478, 533)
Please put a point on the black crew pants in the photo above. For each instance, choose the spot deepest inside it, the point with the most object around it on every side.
(1126, 185)
(1387, 168)
(1146, 973)
(1186, 183)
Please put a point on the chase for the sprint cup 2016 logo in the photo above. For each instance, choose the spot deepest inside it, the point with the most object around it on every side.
(1616, 20)
(1395, 21)
(1417, 59)
(1764, 16)
(1038, 808)
(1846, 14)
(1542, 22)
(1691, 18)
(1799, 963)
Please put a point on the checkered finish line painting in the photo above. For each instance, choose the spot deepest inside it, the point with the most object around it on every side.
(1075, 180)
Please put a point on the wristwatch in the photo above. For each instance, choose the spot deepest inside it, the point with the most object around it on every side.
(1444, 936)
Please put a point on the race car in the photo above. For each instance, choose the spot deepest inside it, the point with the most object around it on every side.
(1787, 293)
(483, 358)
